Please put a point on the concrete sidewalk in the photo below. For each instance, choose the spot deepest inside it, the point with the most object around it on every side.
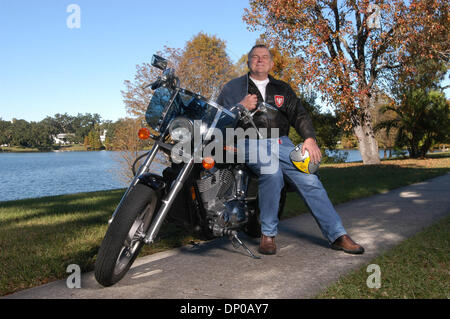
(303, 266)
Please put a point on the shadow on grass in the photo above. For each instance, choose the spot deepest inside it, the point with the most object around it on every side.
(342, 184)
(57, 206)
(346, 183)
(59, 199)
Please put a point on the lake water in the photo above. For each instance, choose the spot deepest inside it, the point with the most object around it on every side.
(26, 175)
(29, 175)
(355, 155)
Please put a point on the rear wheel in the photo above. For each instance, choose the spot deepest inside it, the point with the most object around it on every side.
(124, 237)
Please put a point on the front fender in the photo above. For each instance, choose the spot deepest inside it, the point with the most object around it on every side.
(153, 181)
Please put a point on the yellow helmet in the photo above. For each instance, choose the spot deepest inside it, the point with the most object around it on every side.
(303, 162)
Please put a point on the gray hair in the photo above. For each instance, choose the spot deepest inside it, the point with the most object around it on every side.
(259, 46)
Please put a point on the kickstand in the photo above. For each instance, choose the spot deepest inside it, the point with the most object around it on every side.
(238, 243)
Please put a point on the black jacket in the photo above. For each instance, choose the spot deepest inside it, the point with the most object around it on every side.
(278, 94)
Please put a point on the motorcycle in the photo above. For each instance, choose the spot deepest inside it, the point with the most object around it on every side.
(214, 198)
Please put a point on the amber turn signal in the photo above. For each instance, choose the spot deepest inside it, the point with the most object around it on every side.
(193, 193)
(208, 163)
(144, 133)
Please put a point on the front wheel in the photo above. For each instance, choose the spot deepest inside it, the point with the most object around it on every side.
(124, 237)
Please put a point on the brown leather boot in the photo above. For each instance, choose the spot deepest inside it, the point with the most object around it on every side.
(346, 244)
(267, 245)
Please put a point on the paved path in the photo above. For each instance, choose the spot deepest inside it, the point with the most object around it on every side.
(303, 266)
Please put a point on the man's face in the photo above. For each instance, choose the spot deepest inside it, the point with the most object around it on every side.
(260, 62)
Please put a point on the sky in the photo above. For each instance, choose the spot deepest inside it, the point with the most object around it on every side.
(46, 67)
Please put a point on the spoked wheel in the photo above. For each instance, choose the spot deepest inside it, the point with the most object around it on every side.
(124, 237)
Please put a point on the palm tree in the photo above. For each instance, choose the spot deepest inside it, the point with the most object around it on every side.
(422, 119)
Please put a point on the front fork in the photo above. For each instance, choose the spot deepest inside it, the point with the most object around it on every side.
(142, 169)
(167, 201)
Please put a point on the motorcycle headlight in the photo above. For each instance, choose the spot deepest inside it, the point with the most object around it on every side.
(181, 129)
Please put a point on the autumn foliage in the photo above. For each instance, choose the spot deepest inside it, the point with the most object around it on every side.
(204, 66)
(348, 50)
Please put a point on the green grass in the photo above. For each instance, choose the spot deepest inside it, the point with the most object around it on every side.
(40, 237)
(72, 147)
(19, 149)
(416, 268)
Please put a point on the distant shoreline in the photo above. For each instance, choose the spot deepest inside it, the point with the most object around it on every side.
(80, 148)
(74, 148)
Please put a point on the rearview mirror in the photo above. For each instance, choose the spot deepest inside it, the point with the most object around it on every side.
(159, 62)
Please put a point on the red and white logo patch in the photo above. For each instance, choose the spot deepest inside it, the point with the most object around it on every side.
(279, 100)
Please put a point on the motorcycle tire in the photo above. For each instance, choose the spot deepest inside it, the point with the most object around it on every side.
(124, 237)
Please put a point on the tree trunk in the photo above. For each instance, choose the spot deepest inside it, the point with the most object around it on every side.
(426, 147)
(362, 127)
(368, 145)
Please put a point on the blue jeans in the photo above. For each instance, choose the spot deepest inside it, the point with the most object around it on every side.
(269, 159)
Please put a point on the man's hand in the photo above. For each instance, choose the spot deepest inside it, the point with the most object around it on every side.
(313, 149)
(249, 101)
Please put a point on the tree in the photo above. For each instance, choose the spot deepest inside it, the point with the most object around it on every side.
(241, 67)
(5, 132)
(86, 142)
(94, 139)
(345, 55)
(423, 118)
(204, 65)
(420, 111)
(41, 135)
(21, 133)
(83, 124)
(127, 142)
(53, 126)
(64, 123)
(108, 128)
(135, 97)
(385, 138)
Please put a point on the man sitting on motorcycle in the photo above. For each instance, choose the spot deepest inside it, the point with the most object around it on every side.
(258, 86)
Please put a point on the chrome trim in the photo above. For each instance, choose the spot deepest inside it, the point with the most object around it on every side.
(167, 202)
(142, 169)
